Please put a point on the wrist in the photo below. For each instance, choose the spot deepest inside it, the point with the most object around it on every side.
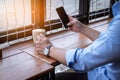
(50, 51)
(47, 49)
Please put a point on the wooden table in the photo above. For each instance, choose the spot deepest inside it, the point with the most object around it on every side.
(22, 66)
(65, 39)
(21, 61)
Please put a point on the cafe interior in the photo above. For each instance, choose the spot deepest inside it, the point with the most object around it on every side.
(20, 18)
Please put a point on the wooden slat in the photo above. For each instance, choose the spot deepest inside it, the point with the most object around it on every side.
(100, 14)
(10, 51)
(23, 45)
(3, 39)
(53, 26)
(13, 35)
(33, 11)
(19, 29)
(40, 13)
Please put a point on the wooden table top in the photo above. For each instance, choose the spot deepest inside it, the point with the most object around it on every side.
(65, 39)
(22, 66)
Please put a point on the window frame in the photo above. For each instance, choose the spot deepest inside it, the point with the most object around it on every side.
(38, 8)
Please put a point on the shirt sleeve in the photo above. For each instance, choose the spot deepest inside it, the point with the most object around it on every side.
(116, 8)
(100, 52)
(114, 29)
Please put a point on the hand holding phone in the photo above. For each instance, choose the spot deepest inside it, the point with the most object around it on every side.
(63, 16)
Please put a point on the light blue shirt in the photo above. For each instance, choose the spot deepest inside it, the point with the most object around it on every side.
(101, 59)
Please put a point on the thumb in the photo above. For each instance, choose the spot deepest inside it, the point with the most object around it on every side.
(69, 24)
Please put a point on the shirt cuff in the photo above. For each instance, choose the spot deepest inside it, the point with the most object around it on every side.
(71, 57)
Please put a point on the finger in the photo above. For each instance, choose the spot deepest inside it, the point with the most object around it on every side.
(69, 24)
(41, 35)
(70, 18)
(40, 38)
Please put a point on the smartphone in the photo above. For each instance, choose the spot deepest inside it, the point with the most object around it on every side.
(63, 16)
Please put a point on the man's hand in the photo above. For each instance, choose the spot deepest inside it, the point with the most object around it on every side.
(77, 26)
(74, 24)
(41, 43)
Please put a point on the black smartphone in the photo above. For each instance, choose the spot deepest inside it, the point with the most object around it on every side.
(63, 16)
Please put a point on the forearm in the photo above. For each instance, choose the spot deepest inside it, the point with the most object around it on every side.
(58, 54)
(89, 32)
(77, 26)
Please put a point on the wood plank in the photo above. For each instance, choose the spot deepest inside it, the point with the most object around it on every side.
(21, 67)
(71, 40)
(15, 48)
(31, 51)
(23, 44)
(39, 12)
(12, 35)
(10, 51)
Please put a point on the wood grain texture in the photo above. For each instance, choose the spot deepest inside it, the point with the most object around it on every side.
(10, 51)
(31, 51)
(22, 66)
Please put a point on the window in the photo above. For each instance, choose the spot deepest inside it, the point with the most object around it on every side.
(14, 14)
(71, 7)
(15, 18)
(19, 17)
